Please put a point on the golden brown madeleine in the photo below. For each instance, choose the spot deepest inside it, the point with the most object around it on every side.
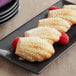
(67, 14)
(34, 49)
(58, 23)
(50, 34)
(73, 7)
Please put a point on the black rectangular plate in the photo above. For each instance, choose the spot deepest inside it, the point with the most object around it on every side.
(7, 51)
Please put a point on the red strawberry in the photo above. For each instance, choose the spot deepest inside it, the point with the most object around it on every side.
(64, 39)
(14, 43)
(53, 8)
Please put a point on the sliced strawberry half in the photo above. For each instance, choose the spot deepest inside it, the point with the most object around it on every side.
(14, 43)
(64, 39)
(53, 8)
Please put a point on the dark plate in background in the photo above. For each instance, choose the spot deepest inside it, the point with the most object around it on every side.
(7, 51)
(8, 7)
(9, 17)
(9, 13)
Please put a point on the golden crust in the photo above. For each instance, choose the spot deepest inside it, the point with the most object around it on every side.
(33, 49)
(58, 23)
(67, 14)
(50, 34)
(73, 7)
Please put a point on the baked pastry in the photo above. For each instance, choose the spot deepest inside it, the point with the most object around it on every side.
(58, 23)
(73, 7)
(67, 14)
(34, 49)
(50, 34)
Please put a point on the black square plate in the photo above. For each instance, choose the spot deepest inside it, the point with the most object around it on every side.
(7, 51)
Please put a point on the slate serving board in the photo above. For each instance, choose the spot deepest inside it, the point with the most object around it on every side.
(7, 51)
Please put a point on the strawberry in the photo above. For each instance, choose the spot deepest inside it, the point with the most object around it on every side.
(64, 39)
(14, 43)
(53, 8)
